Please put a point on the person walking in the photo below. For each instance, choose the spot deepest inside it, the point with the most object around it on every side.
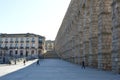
(24, 62)
(38, 62)
(83, 64)
(9, 62)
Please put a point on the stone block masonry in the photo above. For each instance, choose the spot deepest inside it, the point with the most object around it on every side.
(90, 32)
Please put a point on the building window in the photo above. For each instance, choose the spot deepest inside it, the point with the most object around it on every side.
(3, 40)
(27, 39)
(16, 52)
(21, 53)
(21, 46)
(33, 45)
(2, 45)
(10, 46)
(16, 45)
(16, 40)
(6, 45)
(39, 51)
(11, 53)
(33, 39)
(22, 41)
(0, 53)
(40, 40)
(13, 45)
(27, 45)
(26, 53)
(6, 39)
(32, 52)
(11, 40)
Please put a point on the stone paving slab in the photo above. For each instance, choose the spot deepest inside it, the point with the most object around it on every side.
(56, 69)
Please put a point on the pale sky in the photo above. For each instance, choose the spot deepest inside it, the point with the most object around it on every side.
(42, 17)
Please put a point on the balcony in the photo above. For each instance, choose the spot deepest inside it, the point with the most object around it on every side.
(15, 47)
(40, 47)
(27, 47)
(6, 41)
(33, 47)
(5, 48)
(33, 41)
(11, 41)
(27, 41)
(22, 41)
(16, 41)
(21, 47)
(11, 48)
(40, 41)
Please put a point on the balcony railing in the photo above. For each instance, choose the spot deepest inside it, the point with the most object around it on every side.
(16, 41)
(27, 41)
(11, 41)
(33, 40)
(11, 48)
(5, 48)
(21, 47)
(22, 41)
(40, 47)
(6, 41)
(33, 47)
(15, 47)
(27, 47)
(40, 41)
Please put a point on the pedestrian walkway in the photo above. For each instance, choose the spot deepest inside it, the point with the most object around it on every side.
(56, 69)
(6, 68)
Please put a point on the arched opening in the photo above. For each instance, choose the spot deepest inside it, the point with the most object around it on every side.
(32, 52)
(26, 53)
(11, 53)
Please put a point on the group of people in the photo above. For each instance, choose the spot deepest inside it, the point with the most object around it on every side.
(24, 62)
(37, 63)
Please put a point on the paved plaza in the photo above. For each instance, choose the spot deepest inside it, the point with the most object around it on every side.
(56, 69)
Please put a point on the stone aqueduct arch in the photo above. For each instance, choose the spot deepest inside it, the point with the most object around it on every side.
(90, 32)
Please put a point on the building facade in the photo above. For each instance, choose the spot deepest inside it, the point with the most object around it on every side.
(49, 45)
(90, 32)
(21, 46)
